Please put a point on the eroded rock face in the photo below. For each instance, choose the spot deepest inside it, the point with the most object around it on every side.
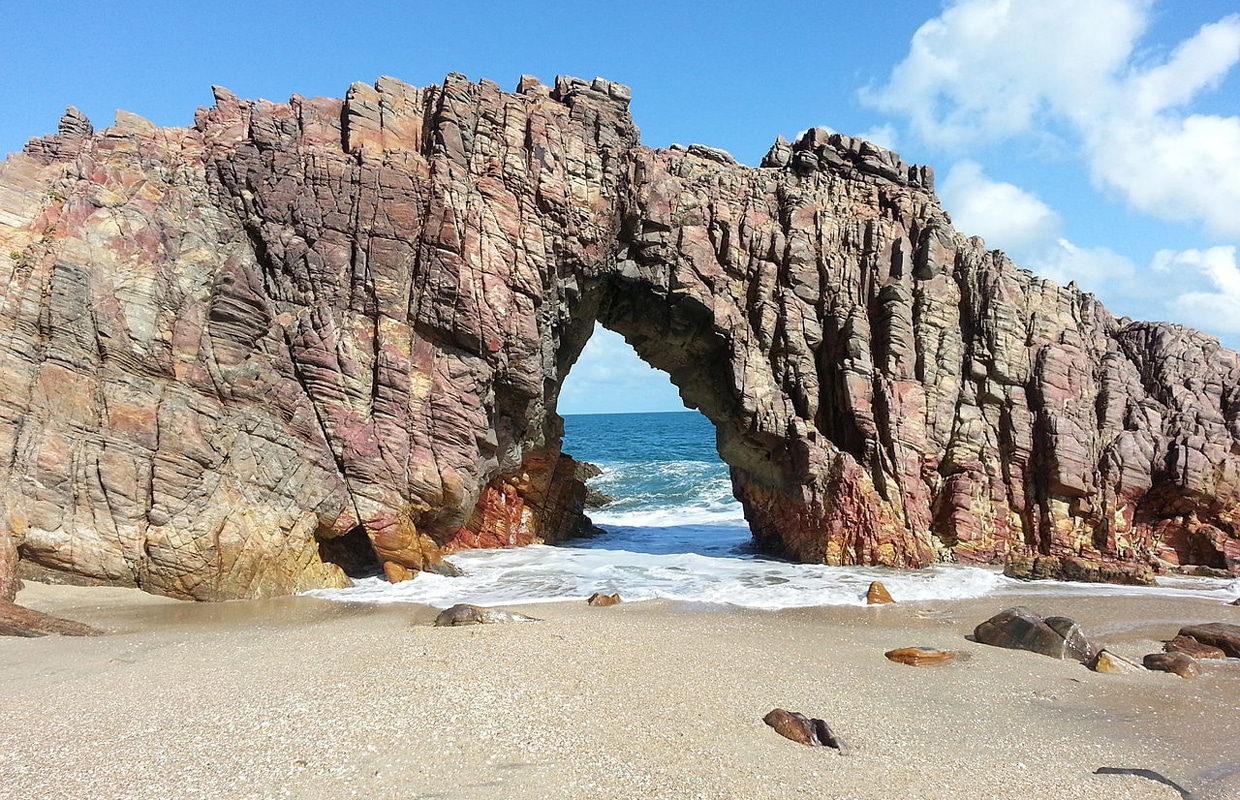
(298, 339)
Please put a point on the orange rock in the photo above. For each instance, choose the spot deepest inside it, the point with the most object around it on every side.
(600, 599)
(920, 656)
(396, 573)
(878, 595)
(1110, 663)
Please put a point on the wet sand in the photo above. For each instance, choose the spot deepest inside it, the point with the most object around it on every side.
(306, 698)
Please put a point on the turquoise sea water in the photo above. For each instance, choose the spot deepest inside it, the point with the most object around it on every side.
(674, 531)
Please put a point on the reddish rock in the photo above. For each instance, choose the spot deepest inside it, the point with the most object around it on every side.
(1079, 569)
(803, 730)
(600, 599)
(920, 656)
(331, 337)
(1181, 664)
(1192, 648)
(18, 620)
(877, 595)
(1223, 635)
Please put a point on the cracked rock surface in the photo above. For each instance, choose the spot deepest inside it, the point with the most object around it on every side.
(298, 341)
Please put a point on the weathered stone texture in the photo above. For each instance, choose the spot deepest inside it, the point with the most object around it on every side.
(309, 337)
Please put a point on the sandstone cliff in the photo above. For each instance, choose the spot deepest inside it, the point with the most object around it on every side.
(306, 339)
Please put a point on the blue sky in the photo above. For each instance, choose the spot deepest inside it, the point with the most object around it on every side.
(1093, 140)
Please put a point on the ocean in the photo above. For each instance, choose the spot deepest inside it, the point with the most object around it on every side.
(674, 531)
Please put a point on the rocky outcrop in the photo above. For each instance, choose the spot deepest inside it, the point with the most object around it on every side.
(307, 339)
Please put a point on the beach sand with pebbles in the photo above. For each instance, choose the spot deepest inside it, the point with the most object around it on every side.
(308, 698)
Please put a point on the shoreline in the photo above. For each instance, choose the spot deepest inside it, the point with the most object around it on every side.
(301, 697)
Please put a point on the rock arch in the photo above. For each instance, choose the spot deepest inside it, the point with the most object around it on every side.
(348, 321)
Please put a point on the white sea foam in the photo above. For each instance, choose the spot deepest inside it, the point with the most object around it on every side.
(543, 574)
(674, 531)
(540, 573)
(708, 514)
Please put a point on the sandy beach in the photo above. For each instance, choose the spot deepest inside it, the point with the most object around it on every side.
(308, 698)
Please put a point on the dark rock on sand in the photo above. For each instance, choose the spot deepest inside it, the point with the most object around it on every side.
(804, 730)
(1020, 628)
(1222, 635)
(1189, 646)
(1181, 664)
(465, 614)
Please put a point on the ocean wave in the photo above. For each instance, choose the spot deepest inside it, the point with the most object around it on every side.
(541, 573)
(715, 513)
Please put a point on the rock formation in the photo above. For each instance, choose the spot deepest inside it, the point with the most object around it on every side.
(300, 340)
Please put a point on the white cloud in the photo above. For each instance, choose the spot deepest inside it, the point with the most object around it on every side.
(609, 378)
(1094, 269)
(1182, 170)
(1214, 310)
(989, 70)
(1005, 215)
(884, 136)
(983, 69)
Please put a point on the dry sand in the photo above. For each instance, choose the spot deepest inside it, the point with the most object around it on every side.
(311, 699)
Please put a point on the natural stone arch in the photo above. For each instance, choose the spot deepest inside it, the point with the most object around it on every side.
(347, 321)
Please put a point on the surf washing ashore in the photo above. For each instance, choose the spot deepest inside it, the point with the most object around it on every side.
(354, 693)
(673, 531)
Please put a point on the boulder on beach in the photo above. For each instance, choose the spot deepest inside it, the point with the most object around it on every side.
(804, 730)
(1222, 635)
(1020, 628)
(466, 614)
(1189, 646)
(1179, 663)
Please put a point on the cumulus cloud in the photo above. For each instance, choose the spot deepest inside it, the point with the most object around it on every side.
(989, 70)
(609, 378)
(1003, 214)
(1215, 308)
(1094, 269)
(884, 136)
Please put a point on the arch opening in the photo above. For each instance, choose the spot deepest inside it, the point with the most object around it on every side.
(665, 489)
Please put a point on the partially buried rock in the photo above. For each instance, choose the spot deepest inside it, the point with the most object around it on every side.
(18, 620)
(920, 656)
(465, 614)
(1222, 635)
(1183, 665)
(878, 595)
(803, 730)
(1112, 664)
(1192, 648)
(1020, 628)
(600, 599)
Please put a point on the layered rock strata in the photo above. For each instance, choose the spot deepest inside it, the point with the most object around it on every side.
(306, 339)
